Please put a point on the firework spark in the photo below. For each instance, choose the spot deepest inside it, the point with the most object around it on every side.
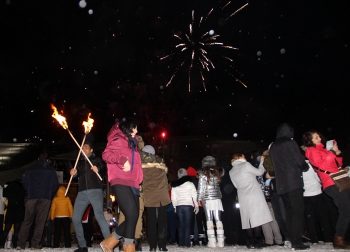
(195, 45)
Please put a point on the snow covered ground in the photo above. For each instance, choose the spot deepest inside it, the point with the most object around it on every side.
(145, 247)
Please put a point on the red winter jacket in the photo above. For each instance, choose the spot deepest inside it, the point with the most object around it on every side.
(116, 154)
(325, 160)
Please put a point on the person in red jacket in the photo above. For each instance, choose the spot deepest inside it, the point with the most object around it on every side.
(124, 175)
(329, 160)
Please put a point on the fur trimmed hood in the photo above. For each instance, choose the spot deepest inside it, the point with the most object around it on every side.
(181, 181)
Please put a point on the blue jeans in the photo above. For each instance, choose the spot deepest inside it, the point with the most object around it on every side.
(184, 215)
(84, 198)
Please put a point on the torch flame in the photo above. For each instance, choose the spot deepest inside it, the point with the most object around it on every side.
(59, 118)
(112, 197)
(88, 125)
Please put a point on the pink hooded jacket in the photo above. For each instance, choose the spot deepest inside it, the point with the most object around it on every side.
(325, 160)
(117, 152)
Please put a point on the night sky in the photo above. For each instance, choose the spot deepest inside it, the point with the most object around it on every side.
(105, 59)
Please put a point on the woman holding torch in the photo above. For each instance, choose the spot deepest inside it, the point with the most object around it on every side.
(124, 175)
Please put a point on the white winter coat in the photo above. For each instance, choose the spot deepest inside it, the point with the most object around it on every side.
(184, 194)
(253, 207)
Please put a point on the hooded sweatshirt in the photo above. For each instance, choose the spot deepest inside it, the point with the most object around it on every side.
(116, 154)
(287, 160)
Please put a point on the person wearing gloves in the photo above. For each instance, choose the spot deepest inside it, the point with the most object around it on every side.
(209, 195)
(253, 207)
(184, 199)
(156, 197)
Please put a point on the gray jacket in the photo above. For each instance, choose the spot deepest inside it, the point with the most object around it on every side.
(211, 190)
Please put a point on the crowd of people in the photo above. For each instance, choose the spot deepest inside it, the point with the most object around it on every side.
(285, 197)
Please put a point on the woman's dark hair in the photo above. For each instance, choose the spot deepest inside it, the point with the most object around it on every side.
(307, 138)
(127, 126)
(207, 172)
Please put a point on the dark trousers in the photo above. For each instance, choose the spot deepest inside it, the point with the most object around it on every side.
(47, 234)
(157, 226)
(129, 204)
(294, 203)
(171, 223)
(280, 212)
(198, 219)
(59, 224)
(315, 212)
(342, 202)
(38, 209)
(254, 236)
(8, 226)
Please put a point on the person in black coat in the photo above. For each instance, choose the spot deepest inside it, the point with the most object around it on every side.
(15, 193)
(289, 164)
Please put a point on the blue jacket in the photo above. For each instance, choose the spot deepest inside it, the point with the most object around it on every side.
(40, 181)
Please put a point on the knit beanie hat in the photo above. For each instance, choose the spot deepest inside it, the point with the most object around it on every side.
(208, 161)
(191, 172)
(149, 149)
(182, 172)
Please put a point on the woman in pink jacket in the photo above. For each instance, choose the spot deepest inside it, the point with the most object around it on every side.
(124, 175)
(329, 160)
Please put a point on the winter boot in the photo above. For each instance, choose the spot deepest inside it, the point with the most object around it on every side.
(192, 240)
(340, 243)
(138, 244)
(211, 235)
(9, 240)
(220, 234)
(129, 248)
(202, 239)
(109, 243)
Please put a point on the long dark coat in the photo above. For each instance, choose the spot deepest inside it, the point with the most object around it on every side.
(15, 194)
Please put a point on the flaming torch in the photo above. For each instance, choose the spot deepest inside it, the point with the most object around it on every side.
(88, 125)
(87, 128)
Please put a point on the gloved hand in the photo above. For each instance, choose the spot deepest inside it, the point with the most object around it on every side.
(196, 209)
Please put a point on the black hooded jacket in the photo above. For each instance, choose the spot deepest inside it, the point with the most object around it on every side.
(287, 160)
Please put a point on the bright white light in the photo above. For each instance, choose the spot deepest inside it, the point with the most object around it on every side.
(14, 140)
(235, 135)
(82, 4)
(95, 72)
(258, 53)
(90, 11)
(211, 32)
(237, 205)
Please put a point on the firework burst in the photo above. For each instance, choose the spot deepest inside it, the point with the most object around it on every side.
(195, 47)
